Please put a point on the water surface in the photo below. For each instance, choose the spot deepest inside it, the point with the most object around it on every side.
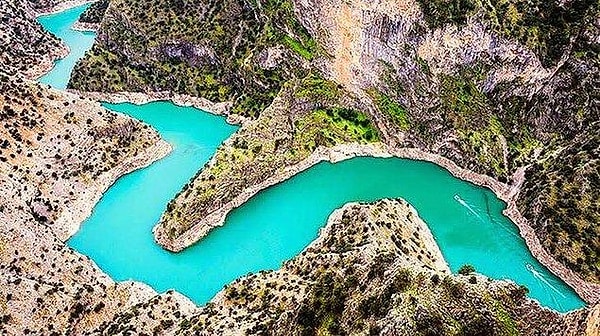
(276, 224)
(78, 42)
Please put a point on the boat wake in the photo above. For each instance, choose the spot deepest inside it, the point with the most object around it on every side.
(542, 279)
(473, 211)
(466, 205)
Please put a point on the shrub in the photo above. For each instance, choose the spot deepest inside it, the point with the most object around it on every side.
(466, 269)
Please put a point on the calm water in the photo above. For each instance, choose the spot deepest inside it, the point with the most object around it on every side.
(78, 42)
(278, 223)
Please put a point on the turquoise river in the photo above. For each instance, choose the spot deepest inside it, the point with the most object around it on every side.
(279, 222)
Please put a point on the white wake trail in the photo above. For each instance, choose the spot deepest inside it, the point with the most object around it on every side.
(541, 278)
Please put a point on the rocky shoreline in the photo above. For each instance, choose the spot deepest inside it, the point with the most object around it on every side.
(71, 219)
(85, 26)
(381, 264)
(587, 291)
(47, 62)
(140, 98)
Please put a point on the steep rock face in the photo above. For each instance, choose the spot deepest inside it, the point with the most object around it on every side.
(374, 269)
(58, 153)
(464, 91)
(25, 47)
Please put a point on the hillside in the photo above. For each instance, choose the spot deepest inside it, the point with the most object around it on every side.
(25, 47)
(58, 154)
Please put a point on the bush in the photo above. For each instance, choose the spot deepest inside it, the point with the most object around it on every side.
(466, 269)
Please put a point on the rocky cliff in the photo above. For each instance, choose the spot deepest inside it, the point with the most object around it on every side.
(496, 87)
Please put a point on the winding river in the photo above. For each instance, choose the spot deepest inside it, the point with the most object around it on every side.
(279, 222)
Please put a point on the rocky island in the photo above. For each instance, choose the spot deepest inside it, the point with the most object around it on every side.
(503, 94)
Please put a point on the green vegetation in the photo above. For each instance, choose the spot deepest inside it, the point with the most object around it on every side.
(318, 90)
(95, 12)
(467, 109)
(219, 50)
(441, 12)
(330, 126)
(543, 26)
(328, 123)
(391, 108)
(298, 48)
(322, 312)
(466, 269)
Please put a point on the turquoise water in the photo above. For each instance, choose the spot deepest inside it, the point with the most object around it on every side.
(279, 222)
(78, 42)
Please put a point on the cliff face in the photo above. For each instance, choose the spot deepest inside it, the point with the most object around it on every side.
(220, 50)
(374, 269)
(25, 47)
(495, 88)
(58, 153)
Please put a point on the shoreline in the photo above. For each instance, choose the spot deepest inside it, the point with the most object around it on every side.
(589, 292)
(71, 219)
(48, 61)
(141, 98)
(61, 7)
